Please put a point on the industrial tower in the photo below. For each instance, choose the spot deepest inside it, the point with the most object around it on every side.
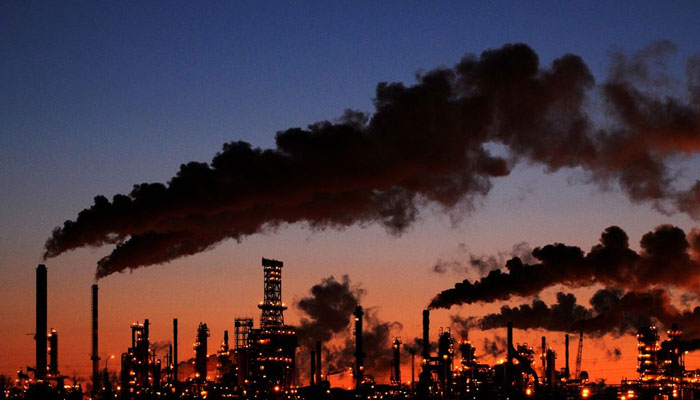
(272, 347)
(272, 307)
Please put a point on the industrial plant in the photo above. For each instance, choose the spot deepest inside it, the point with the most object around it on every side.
(262, 363)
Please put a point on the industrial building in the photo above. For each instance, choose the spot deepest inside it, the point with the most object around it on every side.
(261, 364)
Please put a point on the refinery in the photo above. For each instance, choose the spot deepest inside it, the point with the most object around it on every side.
(261, 363)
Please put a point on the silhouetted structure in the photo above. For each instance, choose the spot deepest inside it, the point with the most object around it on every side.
(140, 371)
(41, 317)
(396, 366)
(200, 350)
(53, 353)
(359, 370)
(95, 357)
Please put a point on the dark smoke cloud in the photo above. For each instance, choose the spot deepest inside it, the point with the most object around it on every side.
(327, 311)
(495, 347)
(667, 258)
(614, 354)
(377, 336)
(561, 316)
(425, 144)
(612, 311)
(328, 316)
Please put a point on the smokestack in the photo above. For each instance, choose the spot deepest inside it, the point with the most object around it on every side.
(312, 374)
(40, 334)
(544, 356)
(551, 368)
(53, 353)
(397, 361)
(200, 349)
(95, 358)
(509, 358)
(359, 350)
(426, 334)
(566, 355)
(175, 377)
(318, 362)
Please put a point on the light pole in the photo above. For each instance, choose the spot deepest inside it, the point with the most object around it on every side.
(107, 361)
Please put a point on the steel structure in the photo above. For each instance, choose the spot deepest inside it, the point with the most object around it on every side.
(272, 306)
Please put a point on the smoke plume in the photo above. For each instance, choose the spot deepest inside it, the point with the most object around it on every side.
(495, 347)
(425, 144)
(327, 311)
(611, 311)
(666, 254)
(327, 316)
(481, 263)
(614, 355)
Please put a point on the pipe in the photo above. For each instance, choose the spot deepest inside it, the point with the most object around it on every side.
(40, 334)
(175, 350)
(426, 334)
(53, 353)
(318, 362)
(95, 357)
(359, 350)
(551, 368)
(544, 357)
(397, 361)
(509, 360)
(566, 354)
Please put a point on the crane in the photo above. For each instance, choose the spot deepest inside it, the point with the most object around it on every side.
(578, 356)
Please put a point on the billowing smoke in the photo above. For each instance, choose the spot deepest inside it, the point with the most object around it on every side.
(495, 347)
(327, 311)
(482, 263)
(377, 336)
(327, 316)
(160, 346)
(561, 316)
(425, 144)
(666, 254)
(611, 311)
(614, 354)
(462, 325)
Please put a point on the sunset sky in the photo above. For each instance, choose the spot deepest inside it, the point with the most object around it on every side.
(97, 97)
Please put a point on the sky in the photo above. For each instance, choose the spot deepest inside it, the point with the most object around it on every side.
(95, 98)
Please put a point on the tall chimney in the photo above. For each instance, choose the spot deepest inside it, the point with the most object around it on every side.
(175, 377)
(318, 362)
(397, 362)
(95, 358)
(53, 353)
(566, 354)
(544, 357)
(359, 349)
(200, 349)
(312, 374)
(40, 334)
(426, 334)
(509, 359)
(551, 368)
